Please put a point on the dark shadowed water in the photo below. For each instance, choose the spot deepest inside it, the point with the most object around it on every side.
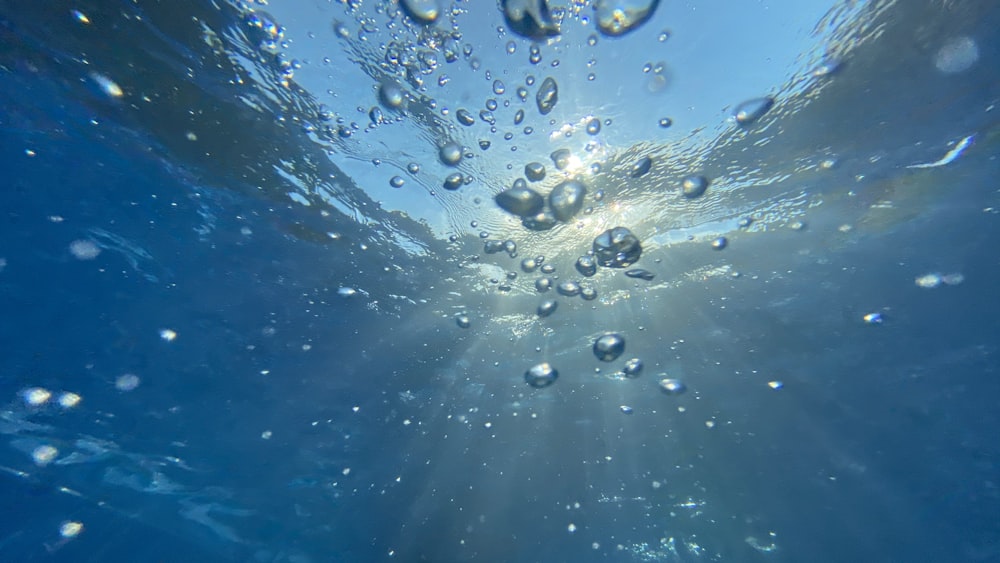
(244, 315)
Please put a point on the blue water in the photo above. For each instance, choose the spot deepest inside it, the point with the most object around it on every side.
(226, 337)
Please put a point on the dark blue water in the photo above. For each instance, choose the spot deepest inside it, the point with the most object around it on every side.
(226, 338)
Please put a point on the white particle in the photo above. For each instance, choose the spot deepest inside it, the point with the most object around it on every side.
(70, 529)
(69, 400)
(43, 455)
(36, 396)
(83, 249)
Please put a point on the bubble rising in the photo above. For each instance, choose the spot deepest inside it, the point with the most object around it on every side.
(541, 375)
(617, 248)
(609, 346)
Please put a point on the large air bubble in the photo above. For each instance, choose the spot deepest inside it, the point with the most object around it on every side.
(566, 199)
(618, 17)
(617, 248)
(529, 18)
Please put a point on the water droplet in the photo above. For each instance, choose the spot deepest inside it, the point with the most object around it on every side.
(484, 144)
(542, 221)
(751, 110)
(547, 307)
(561, 158)
(423, 11)
(454, 181)
(534, 171)
(666, 122)
(719, 243)
(633, 368)
(626, 409)
(520, 200)
(519, 117)
(413, 168)
(672, 386)
(586, 265)
(694, 186)
(566, 199)
(498, 87)
(463, 321)
(529, 18)
(511, 47)
(492, 246)
(464, 117)
(617, 248)
(593, 126)
(396, 181)
(641, 274)
(618, 17)
(529, 265)
(541, 375)
(391, 95)
(534, 55)
(775, 384)
(543, 284)
(588, 293)
(450, 154)
(609, 346)
(641, 167)
(568, 288)
(547, 96)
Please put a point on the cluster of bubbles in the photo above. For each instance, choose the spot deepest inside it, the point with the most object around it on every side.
(617, 248)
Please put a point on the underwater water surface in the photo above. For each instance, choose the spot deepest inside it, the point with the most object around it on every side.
(430, 280)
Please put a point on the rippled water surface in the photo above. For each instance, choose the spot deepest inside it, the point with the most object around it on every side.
(515, 281)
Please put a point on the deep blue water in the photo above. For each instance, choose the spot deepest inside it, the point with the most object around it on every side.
(315, 399)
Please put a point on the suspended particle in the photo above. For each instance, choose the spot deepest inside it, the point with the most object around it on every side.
(463, 321)
(873, 318)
